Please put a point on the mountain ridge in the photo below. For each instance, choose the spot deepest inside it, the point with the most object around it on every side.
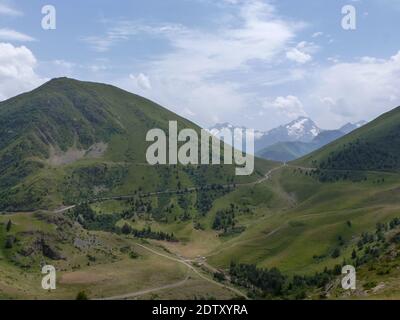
(292, 140)
(289, 151)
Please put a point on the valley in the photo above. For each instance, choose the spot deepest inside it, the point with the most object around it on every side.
(290, 237)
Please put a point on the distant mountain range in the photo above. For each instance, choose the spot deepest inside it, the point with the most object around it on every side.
(293, 140)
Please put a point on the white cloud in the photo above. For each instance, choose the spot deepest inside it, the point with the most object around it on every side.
(59, 68)
(17, 70)
(317, 34)
(99, 44)
(97, 67)
(8, 11)
(358, 90)
(302, 53)
(193, 73)
(208, 102)
(261, 36)
(123, 30)
(289, 106)
(64, 64)
(188, 112)
(141, 81)
(12, 35)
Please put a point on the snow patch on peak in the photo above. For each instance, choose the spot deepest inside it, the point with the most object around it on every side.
(315, 131)
(302, 127)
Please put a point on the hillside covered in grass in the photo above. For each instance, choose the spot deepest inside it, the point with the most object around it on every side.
(374, 146)
(69, 141)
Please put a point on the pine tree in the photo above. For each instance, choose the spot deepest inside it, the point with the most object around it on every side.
(126, 229)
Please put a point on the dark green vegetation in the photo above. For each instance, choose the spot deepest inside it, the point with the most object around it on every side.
(85, 216)
(372, 147)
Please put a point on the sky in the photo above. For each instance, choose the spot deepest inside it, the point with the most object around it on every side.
(253, 63)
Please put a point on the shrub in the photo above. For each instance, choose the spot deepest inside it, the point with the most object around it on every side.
(82, 296)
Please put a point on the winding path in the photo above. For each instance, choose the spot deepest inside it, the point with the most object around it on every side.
(173, 285)
(187, 264)
(266, 177)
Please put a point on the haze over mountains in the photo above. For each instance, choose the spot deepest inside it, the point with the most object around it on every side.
(291, 141)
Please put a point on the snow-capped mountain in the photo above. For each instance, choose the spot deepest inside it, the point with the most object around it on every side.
(302, 129)
(287, 151)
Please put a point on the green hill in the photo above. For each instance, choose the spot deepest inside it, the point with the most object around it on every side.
(69, 141)
(372, 147)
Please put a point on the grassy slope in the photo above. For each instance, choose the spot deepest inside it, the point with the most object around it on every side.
(293, 219)
(67, 114)
(290, 238)
(294, 224)
(371, 147)
(122, 123)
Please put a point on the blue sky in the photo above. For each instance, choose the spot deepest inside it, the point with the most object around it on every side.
(258, 63)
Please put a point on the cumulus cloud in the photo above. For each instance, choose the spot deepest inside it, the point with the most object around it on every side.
(357, 90)
(141, 81)
(17, 70)
(302, 53)
(289, 106)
